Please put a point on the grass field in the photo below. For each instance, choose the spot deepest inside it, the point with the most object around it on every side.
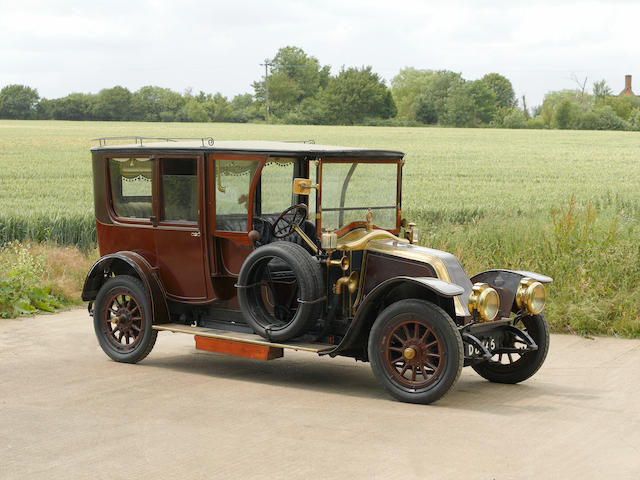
(495, 198)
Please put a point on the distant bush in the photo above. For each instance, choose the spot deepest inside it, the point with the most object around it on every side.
(589, 121)
(634, 120)
(535, 123)
(608, 120)
(514, 119)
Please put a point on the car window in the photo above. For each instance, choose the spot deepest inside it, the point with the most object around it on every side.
(349, 190)
(131, 186)
(276, 182)
(233, 184)
(179, 189)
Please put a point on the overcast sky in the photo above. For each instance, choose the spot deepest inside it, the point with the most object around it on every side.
(68, 46)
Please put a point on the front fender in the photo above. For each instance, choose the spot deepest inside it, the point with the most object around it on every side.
(506, 283)
(127, 262)
(435, 290)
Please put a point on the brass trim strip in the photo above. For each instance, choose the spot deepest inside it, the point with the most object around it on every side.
(361, 241)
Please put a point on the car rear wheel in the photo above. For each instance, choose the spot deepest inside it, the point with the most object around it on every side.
(517, 367)
(122, 320)
(415, 351)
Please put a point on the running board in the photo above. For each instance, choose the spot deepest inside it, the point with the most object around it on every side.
(249, 338)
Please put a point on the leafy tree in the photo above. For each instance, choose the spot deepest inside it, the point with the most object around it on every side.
(459, 106)
(622, 106)
(469, 104)
(112, 104)
(355, 94)
(303, 70)
(219, 109)
(75, 106)
(294, 76)
(244, 108)
(44, 109)
(563, 114)
(425, 111)
(152, 104)
(601, 90)
(192, 111)
(437, 90)
(575, 104)
(18, 102)
(406, 88)
(502, 89)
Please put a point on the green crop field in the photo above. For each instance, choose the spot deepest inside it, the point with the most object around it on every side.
(564, 203)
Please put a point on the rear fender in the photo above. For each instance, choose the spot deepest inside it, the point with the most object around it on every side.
(128, 263)
(506, 283)
(437, 291)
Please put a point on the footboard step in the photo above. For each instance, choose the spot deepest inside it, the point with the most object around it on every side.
(238, 349)
(241, 338)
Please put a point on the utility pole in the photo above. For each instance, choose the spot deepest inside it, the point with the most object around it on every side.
(267, 63)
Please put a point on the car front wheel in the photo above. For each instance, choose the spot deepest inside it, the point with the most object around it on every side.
(415, 351)
(517, 367)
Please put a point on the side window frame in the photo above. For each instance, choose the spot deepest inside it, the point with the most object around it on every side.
(159, 165)
(293, 199)
(152, 219)
(252, 207)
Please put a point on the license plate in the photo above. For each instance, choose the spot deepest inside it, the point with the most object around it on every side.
(488, 342)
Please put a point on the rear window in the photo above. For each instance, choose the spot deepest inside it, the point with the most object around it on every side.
(131, 186)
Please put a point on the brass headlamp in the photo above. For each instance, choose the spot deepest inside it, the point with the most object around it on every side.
(484, 301)
(531, 295)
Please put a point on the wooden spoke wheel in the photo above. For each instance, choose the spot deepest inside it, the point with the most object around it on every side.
(122, 319)
(512, 366)
(415, 351)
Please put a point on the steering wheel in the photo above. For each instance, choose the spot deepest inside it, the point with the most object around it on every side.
(294, 215)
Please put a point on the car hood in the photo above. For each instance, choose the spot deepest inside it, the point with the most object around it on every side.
(446, 265)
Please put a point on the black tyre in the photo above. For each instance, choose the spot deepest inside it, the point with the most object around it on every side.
(515, 367)
(415, 351)
(122, 319)
(279, 285)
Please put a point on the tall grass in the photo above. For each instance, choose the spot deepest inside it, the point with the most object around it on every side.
(563, 203)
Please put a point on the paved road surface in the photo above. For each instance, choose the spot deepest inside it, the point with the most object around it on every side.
(67, 411)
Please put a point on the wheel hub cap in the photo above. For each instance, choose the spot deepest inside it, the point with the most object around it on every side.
(409, 353)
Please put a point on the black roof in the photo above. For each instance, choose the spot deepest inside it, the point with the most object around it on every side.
(282, 149)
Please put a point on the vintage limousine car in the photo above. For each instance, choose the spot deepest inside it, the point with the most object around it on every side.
(255, 247)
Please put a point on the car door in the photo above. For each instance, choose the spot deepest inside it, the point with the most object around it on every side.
(180, 246)
(234, 192)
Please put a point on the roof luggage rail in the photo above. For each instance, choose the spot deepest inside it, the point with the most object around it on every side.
(138, 140)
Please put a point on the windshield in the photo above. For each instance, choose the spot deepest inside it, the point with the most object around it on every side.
(349, 190)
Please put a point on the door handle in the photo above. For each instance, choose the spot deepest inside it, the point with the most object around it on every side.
(195, 234)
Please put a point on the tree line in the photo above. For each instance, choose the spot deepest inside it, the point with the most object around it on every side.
(297, 89)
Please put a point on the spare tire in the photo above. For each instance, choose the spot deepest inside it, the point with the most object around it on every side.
(280, 291)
